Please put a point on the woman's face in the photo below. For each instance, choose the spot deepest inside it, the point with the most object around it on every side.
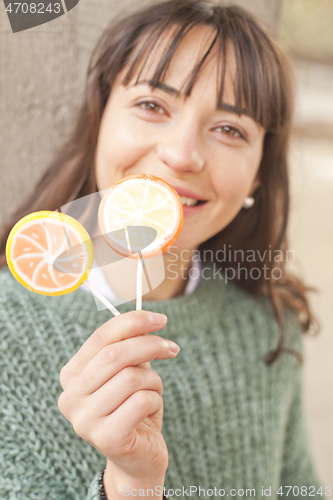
(203, 152)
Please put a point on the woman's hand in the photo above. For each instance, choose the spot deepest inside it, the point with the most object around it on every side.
(113, 398)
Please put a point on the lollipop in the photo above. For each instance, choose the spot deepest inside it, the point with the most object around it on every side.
(140, 216)
(50, 253)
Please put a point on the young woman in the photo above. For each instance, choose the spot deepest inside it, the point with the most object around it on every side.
(200, 96)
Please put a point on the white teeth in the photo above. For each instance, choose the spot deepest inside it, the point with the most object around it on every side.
(190, 202)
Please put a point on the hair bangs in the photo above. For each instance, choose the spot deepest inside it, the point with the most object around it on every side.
(261, 79)
(155, 39)
(258, 80)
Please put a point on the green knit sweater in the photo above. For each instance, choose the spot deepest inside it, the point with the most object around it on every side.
(230, 422)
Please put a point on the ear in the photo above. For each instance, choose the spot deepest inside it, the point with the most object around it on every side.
(255, 183)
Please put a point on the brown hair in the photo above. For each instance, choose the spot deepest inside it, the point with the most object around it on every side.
(262, 87)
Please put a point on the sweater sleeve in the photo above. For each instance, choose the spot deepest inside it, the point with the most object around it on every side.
(298, 471)
(41, 457)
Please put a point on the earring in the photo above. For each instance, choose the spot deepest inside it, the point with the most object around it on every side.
(248, 202)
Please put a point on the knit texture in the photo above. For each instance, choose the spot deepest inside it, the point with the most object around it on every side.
(229, 422)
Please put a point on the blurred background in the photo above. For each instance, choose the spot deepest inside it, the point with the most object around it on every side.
(305, 32)
(42, 74)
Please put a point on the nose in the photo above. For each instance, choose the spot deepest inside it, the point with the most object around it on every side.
(180, 149)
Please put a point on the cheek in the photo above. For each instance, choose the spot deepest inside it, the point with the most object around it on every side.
(232, 178)
(120, 146)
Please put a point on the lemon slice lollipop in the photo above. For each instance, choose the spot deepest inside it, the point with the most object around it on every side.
(49, 253)
(140, 216)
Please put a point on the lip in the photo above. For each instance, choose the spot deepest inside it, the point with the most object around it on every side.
(188, 193)
(192, 210)
(187, 211)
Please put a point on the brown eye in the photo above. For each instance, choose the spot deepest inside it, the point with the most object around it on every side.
(151, 106)
(231, 131)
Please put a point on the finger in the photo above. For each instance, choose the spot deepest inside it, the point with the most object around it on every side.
(121, 327)
(145, 365)
(128, 416)
(115, 357)
(115, 392)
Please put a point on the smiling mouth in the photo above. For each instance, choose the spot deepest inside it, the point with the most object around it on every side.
(191, 202)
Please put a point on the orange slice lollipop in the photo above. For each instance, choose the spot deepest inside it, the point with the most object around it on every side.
(140, 216)
(49, 253)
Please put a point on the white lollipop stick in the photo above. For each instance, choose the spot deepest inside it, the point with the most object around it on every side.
(139, 285)
(104, 301)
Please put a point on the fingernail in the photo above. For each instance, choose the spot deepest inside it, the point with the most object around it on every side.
(157, 319)
(173, 346)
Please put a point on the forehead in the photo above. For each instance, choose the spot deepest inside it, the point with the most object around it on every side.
(194, 65)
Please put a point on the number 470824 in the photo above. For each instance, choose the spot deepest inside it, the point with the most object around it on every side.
(308, 491)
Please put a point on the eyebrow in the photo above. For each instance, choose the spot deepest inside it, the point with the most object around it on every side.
(230, 108)
(162, 86)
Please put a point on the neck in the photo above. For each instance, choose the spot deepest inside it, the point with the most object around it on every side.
(176, 276)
